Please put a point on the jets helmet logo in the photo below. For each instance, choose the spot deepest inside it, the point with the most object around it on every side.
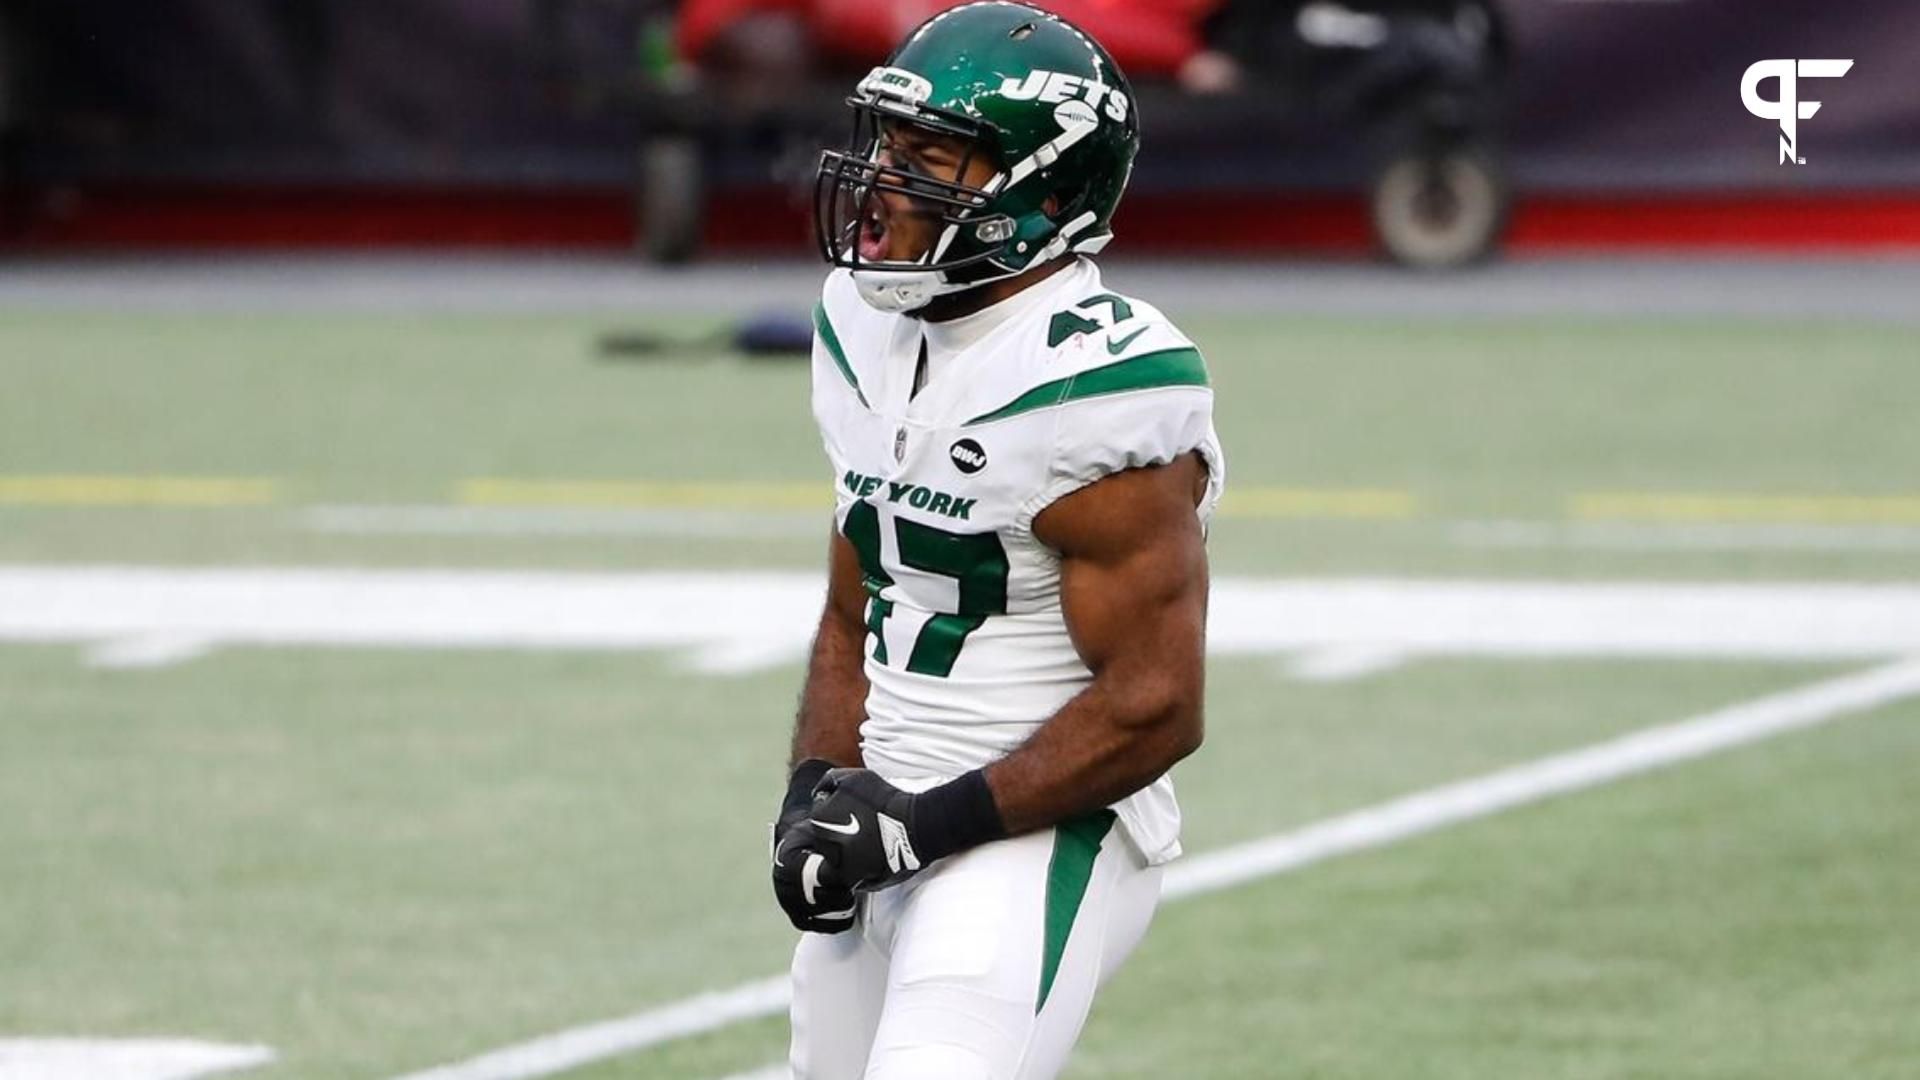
(1054, 87)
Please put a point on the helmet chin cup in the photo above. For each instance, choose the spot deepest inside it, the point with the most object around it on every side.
(899, 291)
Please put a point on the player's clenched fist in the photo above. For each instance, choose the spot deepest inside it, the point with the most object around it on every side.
(875, 835)
(813, 895)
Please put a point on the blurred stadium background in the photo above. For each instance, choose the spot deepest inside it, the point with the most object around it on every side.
(404, 482)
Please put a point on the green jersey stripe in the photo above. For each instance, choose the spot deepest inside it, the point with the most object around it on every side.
(1168, 367)
(1076, 844)
(832, 341)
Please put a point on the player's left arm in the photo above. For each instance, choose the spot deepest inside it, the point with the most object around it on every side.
(1133, 582)
(1133, 589)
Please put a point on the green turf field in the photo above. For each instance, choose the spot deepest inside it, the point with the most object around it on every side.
(378, 860)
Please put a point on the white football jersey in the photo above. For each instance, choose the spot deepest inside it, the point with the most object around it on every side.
(1055, 388)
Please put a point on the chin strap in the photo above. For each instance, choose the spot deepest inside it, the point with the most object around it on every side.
(900, 291)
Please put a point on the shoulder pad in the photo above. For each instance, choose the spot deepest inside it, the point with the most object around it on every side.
(1099, 346)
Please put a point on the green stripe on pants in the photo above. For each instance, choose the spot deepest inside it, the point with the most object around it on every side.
(1076, 844)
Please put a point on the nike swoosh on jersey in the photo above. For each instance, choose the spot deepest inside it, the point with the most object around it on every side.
(1114, 347)
(851, 828)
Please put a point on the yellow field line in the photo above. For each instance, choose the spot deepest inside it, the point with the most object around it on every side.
(642, 494)
(1257, 502)
(1314, 503)
(1708, 507)
(114, 490)
(108, 490)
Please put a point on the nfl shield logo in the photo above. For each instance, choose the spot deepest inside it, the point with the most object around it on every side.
(900, 445)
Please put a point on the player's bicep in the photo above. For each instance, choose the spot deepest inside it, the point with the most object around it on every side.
(1133, 569)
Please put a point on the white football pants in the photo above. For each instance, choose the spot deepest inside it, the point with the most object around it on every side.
(982, 967)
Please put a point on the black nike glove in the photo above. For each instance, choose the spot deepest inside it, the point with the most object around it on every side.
(814, 896)
(808, 890)
(875, 835)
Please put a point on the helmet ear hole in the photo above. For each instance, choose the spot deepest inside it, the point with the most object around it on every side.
(1066, 204)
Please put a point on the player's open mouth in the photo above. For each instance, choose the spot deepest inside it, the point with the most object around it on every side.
(873, 236)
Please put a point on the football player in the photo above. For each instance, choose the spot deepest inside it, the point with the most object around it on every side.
(1011, 654)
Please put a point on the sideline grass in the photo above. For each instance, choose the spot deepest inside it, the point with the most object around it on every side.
(1469, 418)
(376, 862)
(1741, 917)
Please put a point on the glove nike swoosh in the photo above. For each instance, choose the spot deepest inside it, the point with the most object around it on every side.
(851, 828)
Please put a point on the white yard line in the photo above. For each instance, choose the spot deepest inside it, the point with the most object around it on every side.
(740, 622)
(1543, 778)
(579, 1046)
(124, 1059)
(1371, 827)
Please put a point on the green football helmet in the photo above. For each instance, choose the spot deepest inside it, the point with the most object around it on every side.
(1043, 99)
